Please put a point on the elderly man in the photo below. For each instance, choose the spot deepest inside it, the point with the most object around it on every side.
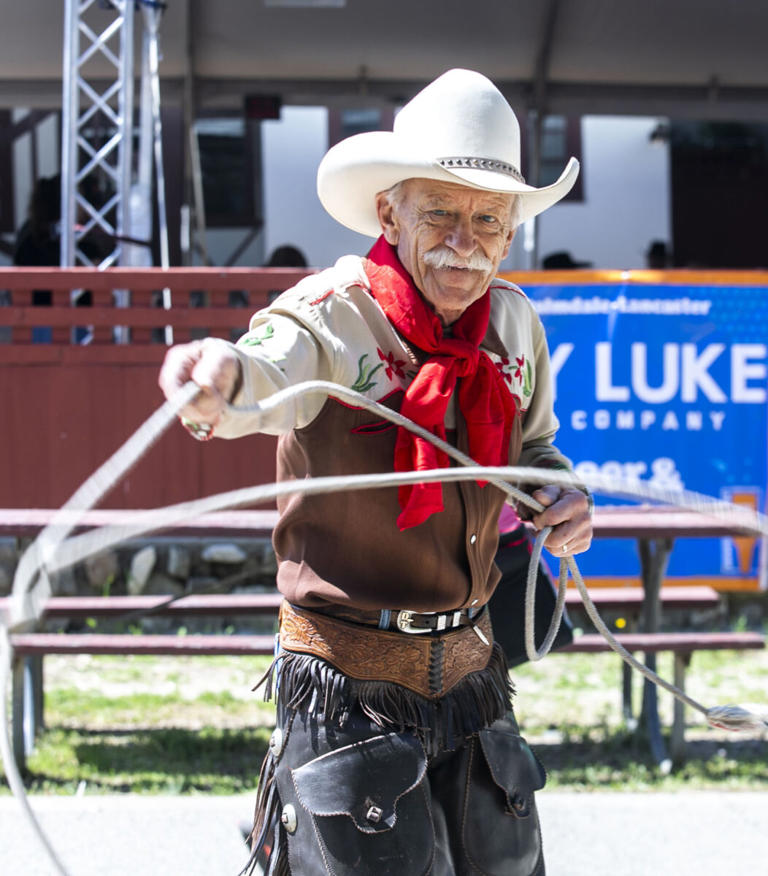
(396, 749)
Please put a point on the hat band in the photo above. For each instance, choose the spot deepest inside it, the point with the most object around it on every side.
(481, 164)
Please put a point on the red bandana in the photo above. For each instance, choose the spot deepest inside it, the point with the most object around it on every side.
(484, 400)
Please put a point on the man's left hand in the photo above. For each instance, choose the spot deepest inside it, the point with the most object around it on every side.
(568, 511)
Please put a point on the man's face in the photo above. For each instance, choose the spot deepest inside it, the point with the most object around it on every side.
(450, 238)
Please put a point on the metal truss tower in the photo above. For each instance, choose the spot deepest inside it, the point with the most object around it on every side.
(97, 131)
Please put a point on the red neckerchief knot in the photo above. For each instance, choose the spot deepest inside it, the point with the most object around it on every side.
(455, 363)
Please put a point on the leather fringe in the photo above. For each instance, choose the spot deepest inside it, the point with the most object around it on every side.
(266, 821)
(265, 812)
(303, 682)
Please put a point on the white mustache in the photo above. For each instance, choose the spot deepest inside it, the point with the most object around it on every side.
(444, 257)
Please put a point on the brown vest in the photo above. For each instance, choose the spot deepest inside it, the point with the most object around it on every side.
(346, 549)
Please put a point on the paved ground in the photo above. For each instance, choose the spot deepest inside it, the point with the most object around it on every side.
(600, 834)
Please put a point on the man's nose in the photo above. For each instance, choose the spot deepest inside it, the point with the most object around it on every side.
(461, 237)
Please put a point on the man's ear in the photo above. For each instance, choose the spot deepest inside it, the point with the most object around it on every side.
(387, 219)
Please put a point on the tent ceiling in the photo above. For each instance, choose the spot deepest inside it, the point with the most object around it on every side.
(686, 58)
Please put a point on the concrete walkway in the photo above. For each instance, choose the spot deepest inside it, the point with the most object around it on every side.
(588, 834)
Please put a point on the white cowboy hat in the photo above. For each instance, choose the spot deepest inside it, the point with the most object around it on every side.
(458, 129)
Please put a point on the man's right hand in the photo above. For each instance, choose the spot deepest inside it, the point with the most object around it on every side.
(213, 366)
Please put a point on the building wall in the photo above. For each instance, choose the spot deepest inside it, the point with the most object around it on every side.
(57, 432)
(292, 150)
(626, 196)
(626, 202)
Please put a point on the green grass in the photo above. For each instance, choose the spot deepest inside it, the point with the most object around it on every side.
(608, 759)
(193, 725)
(157, 761)
(569, 707)
(67, 705)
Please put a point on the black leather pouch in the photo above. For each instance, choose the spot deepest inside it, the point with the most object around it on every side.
(369, 807)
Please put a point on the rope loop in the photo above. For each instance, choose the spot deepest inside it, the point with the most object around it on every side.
(532, 653)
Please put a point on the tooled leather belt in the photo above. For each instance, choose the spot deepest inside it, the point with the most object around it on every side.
(429, 665)
(406, 620)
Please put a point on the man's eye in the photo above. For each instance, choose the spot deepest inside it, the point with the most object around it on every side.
(440, 214)
(487, 219)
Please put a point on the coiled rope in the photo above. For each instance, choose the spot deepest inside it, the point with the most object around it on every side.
(53, 550)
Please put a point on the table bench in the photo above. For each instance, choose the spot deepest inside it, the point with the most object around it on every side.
(682, 646)
(30, 648)
(652, 527)
(655, 529)
(629, 599)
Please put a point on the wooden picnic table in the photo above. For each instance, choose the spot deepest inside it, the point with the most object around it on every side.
(653, 528)
(627, 599)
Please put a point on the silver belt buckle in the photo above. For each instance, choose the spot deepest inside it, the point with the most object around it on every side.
(404, 620)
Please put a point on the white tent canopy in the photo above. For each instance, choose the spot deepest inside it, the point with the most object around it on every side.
(679, 58)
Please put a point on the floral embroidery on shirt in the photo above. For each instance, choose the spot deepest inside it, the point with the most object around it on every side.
(524, 374)
(521, 371)
(502, 365)
(257, 340)
(321, 298)
(365, 372)
(393, 366)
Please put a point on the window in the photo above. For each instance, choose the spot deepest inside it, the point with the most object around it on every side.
(7, 215)
(560, 139)
(230, 165)
(343, 123)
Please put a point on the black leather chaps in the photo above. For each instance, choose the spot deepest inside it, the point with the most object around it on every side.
(351, 797)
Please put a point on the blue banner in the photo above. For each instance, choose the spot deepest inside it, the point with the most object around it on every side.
(666, 384)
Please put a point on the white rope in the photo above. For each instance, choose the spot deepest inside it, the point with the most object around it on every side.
(27, 602)
(31, 583)
(730, 717)
(530, 602)
(53, 550)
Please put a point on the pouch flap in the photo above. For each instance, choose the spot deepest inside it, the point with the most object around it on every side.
(513, 765)
(363, 781)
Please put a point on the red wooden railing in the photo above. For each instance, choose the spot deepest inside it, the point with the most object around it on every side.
(66, 407)
(204, 300)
